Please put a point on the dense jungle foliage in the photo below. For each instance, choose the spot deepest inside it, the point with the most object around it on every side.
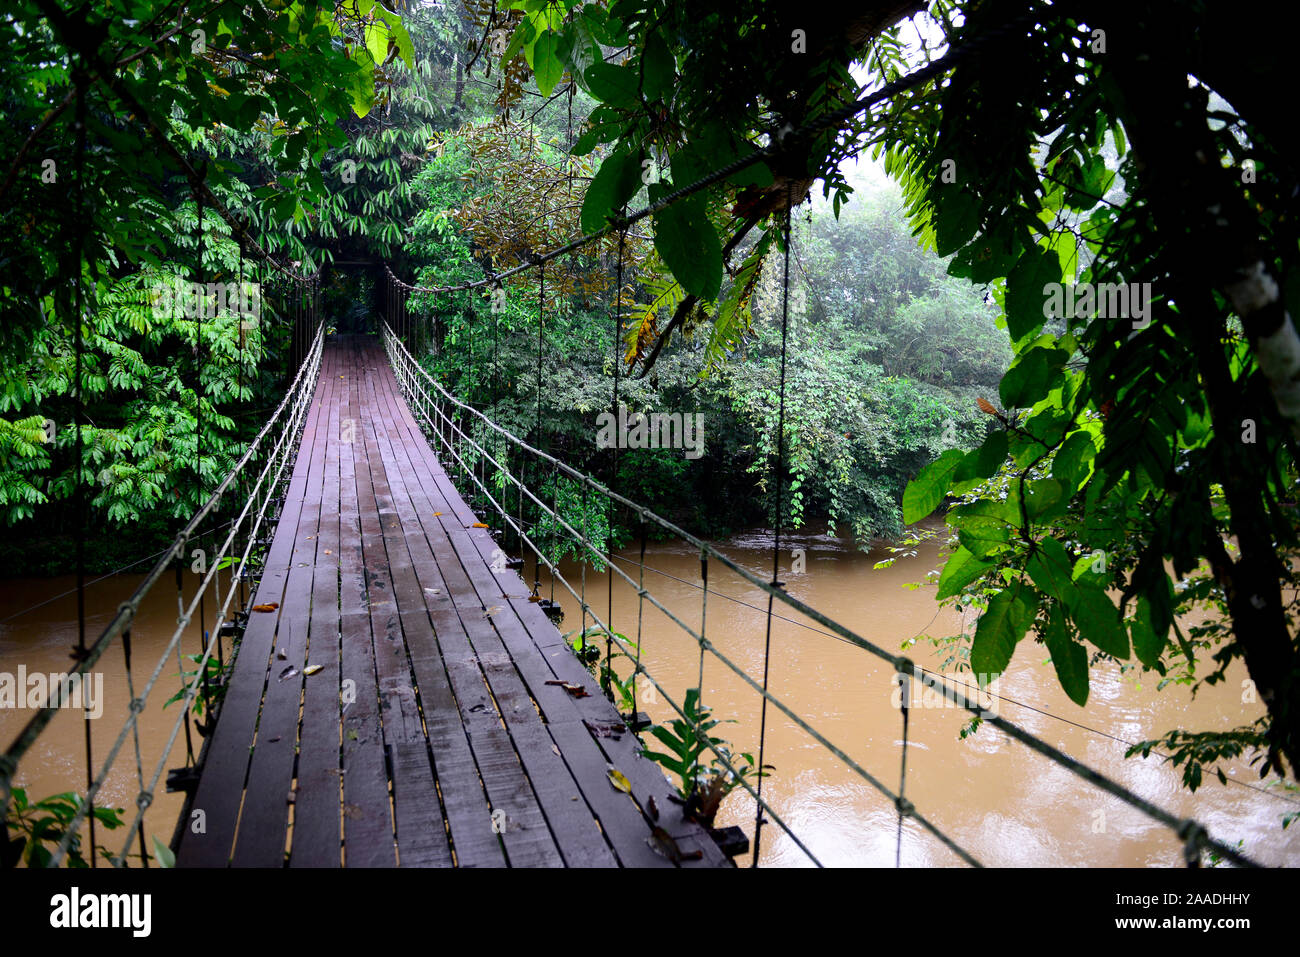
(888, 352)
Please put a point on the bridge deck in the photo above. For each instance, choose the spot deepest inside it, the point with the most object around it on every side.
(430, 735)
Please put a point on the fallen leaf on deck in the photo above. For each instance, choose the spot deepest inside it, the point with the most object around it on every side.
(662, 842)
(557, 751)
(281, 655)
(614, 731)
(288, 672)
(491, 611)
(437, 514)
(270, 606)
(534, 598)
(312, 669)
(328, 552)
(654, 808)
(619, 780)
(476, 525)
(578, 691)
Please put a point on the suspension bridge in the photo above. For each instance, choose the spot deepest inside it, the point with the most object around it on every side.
(402, 700)
(400, 696)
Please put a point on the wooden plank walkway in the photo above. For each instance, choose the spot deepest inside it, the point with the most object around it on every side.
(429, 736)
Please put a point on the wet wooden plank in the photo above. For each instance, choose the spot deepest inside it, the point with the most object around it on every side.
(444, 681)
(540, 656)
(221, 785)
(588, 759)
(367, 810)
(317, 835)
(264, 820)
(420, 831)
(571, 821)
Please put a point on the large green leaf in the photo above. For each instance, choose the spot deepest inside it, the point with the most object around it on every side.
(617, 181)
(615, 85)
(1098, 621)
(956, 216)
(658, 68)
(377, 40)
(961, 569)
(1025, 291)
(1148, 642)
(689, 245)
(983, 462)
(1049, 567)
(982, 536)
(924, 493)
(1069, 658)
(1033, 375)
(1070, 464)
(547, 67)
(1003, 624)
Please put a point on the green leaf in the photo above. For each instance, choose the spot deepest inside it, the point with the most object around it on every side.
(1044, 498)
(1049, 567)
(524, 34)
(617, 181)
(658, 67)
(1098, 621)
(615, 85)
(363, 85)
(956, 216)
(983, 462)
(1070, 464)
(983, 536)
(377, 40)
(689, 245)
(1003, 624)
(1026, 297)
(1031, 377)
(1147, 643)
(547, 67)
(163, 854)
(1069, 658)
(961, 569)
(926, 491)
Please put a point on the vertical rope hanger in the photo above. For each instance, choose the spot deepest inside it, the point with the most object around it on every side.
(904, 806)
(79, 413)
(541, 307)
(776, 541)
(613, 461)
(243, 480)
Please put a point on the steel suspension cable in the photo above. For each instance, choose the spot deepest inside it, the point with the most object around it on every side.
(776, 540)
(80, 653)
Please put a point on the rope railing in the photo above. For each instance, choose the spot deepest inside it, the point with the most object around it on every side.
(288, 417)
(439, 409)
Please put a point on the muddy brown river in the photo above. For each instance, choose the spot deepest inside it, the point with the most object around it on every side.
(1003, 803)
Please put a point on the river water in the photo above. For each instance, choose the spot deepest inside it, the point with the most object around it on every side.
(1001, 802)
